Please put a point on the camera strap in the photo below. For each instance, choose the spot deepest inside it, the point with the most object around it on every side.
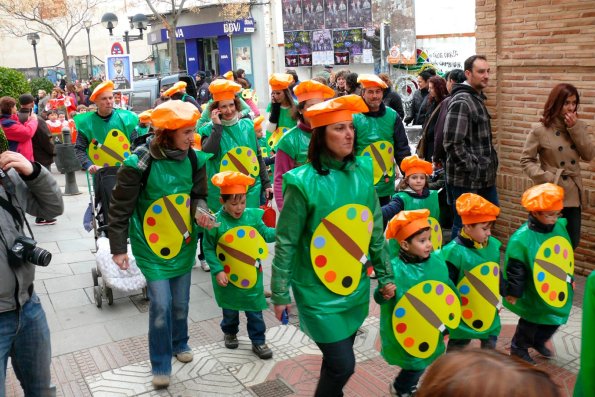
(19, 218)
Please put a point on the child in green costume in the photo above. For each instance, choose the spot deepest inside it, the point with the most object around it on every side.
(234, 250)
(539, 269)
(473, 261)
(425, 303)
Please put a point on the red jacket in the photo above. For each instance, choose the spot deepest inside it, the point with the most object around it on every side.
(19, 135)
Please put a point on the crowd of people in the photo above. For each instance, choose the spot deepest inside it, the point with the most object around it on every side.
(354, 204)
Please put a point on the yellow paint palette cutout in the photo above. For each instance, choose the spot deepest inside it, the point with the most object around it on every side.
(383, 156)
(480, 296)
(273, 139)
(422, 314)
(240, 250)
(112, 152)
(435, 233)
(339, 247)
(166, 225)
(553, 271)
(242, 159)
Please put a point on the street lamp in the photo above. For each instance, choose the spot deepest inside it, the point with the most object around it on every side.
(87, 24)
(139, 21)
(33, 39)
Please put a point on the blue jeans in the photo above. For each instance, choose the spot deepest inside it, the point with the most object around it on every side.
(338, 364)
(256, 326)
(454, 192)
(25, 338)
(168, 321)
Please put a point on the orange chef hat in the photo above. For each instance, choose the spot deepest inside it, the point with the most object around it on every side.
(258, 123)
(280, 81)
(544, 197)
(228, 75)
(174, 114)
(311, 89)
(178, 87)
(414, 165)
(145, 117)
(335, 110)
(107, 85)
(371, 80)
(224, 90)
(406, 223)
(473, 208)
(232, 182)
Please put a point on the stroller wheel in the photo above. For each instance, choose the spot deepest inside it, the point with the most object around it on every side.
(94, 276)
(98, 297)
(145, 294)
(110, 295)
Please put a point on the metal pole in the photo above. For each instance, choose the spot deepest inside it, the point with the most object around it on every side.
(126, 39)
(35, 53)
(90, 54)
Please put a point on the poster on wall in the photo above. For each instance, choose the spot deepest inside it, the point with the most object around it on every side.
(350, 41)
(360, 13)
(303, 45)
(119, 70)
(322, 47)
(335, 15)
(291, 51)
(369, 40)
(243, 59)
(313, 14)
(292, 15)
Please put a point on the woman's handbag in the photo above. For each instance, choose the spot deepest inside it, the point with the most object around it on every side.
(270, 216)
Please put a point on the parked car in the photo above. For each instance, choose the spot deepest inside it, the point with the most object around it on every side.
(146, 90)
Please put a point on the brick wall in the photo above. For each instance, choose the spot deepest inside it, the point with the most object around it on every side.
(531, 46)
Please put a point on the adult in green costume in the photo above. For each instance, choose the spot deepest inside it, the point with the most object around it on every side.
(539, 269)
(154, 202)
(282, 108)
(292, 149)
(381, 136)
(585, 380)
(205, 118)
(412, 323)
(233, 143)
(104, 136)
(324, 239)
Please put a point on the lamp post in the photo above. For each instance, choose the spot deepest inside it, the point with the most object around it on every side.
(139, 21)
(33, 39)
(87, 24)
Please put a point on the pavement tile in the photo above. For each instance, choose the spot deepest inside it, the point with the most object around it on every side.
(69, 299)
(60, 284)
(72, 257)
(82, 267)
(50, 272)
(70, 340)
(89, 314)
(127, 327)
(78, 244)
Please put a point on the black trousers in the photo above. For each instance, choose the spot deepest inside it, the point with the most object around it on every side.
(338, 364)
(460, 344)
(530, 334)
(573, 216)
(406, 381)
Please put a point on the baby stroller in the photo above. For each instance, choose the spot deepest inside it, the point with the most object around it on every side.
(130, 280)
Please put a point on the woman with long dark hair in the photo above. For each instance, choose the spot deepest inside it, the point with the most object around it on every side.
(554, 148)
(436, 93)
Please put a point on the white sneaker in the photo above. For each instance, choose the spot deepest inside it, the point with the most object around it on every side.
(205, 266)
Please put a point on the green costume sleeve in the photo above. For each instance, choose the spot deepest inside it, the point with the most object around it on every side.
(289, 230)
(379, 251)
(586, 380)
(205, 117)
(209, 244)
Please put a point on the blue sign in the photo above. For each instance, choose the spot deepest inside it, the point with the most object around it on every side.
(241, 26)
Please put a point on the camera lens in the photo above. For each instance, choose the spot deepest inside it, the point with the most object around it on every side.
(39, 256)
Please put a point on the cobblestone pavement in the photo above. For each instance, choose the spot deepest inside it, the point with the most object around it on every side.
(104, 352)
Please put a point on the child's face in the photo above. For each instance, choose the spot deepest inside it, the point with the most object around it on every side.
(61, 117)
(259, 133)
(479, 232)
(235, 206)
(53, 116)
(420, 245)
(417, 182)
(547, 217)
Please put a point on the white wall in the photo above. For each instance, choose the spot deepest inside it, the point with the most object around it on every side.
(444, 17)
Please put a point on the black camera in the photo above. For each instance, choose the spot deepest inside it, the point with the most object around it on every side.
(25, 249)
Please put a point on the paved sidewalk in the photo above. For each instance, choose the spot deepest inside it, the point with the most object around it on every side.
(104, 352)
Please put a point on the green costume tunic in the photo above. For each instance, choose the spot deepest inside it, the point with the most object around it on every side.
(112, 138)
(549, 263)
(163, 233)
(430, 203)
(412, 323)
(478, 285)
(295, 144)
(586, 380)
(237, 152)
(324, 236)
(237, 248)
(265, 149)
(284, 124)
(375, 138)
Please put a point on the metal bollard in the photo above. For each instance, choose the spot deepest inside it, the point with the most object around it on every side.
(67, 163)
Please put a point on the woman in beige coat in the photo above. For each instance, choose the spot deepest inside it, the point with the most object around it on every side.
(554, 148)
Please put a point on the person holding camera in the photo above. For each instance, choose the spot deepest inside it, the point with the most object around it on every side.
(19, 134)
(24, 333)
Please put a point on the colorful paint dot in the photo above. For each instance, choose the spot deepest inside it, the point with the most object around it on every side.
(467, 314)
(450, 299)
(496, 270)
(157, 209)
(545, 287)
(330, 276)
(224, 162)
(547, 252)
(221, 257)
(125, 146)
(114, 132)
(464, 289)
(249, 153)
(540, 276)
(561, 296)
(241, 233)
(261, 251)
(390, 150)
(226, 269)
(188, 202)
(153, 238)
(351, 213)
(179, 199)
(557, 248)
(239, 150)
(96, 156)
(477, 324)
(367, 154)
(464, 301)
(252, 233)
(105, 164)
(439, 289)
(234, 278)
(365, 215)
(423, 347)
(126, 155)
(553, 295)
(370, 227)
(408, 342)
(400, 312)
(319, 242)
(346, 282)
(121, 139)
(245, 283)
(565, 254)
(320, 261)
(229, 238)
(401, 328)
(382, 145)
(427, 288)
(485, 270)
(436, 228)
(151, 221)
(165, 251)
